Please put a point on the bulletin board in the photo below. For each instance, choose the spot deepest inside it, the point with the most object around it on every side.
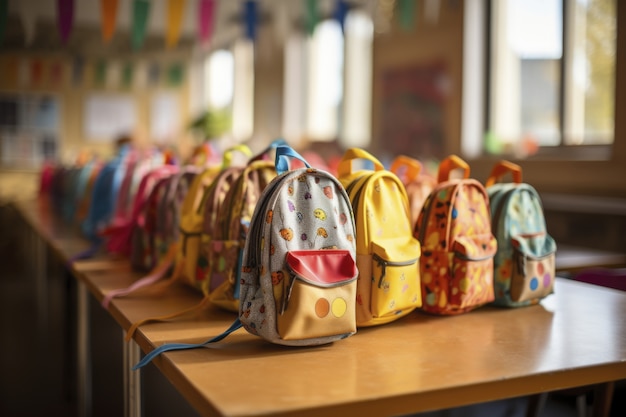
(107, 116)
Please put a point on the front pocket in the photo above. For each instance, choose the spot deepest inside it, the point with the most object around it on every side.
(532, 277)
(319, 296)
(395, 283)
(471, 283)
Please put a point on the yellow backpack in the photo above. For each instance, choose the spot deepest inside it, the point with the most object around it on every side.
(387, 254)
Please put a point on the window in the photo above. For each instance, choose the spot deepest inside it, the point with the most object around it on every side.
(328, 82)
(227, 82)
(550, 79)
(29, 129)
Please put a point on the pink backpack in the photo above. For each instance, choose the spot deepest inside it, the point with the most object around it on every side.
(120, 230)
(417, 183)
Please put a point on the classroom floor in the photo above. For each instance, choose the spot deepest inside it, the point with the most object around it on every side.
(37, 352)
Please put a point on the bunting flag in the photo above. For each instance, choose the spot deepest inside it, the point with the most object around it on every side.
(36, 72)
(341, 11)
(175, 75)
(28, 12)
(65, 18)
(406, 14)
(4, 13)
(251, 19)
(140, 13)
(175, 10)
(312, 16)
(109, 14)
(78, 67)
(431, 11)
(100, 74)
(55, 74)
(127, 75)
(206, 16)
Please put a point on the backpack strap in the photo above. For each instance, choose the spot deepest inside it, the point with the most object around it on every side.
(502, 168)
(195, 309)
(181, 346)
(406, 166)
(156, 274)
(264, 154)
(345, 166)
(283, 153)
(449, 164)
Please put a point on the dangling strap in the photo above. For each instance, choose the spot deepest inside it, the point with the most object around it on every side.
(133, 328)
(87, 253)
(180, 346)
(156, 274)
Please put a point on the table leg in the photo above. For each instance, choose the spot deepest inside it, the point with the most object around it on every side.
(41, 280)
(84, 352)
(132, 379)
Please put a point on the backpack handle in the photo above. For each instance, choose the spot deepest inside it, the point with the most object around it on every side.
(409, 167)
(227, 158)
(345, 165)
(502, 168)
(264, 155)
(283, 153)
(449, 164)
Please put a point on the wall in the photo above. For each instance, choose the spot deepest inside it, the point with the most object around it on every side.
(73, 92)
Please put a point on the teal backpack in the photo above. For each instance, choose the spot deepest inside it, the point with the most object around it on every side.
(524, 269)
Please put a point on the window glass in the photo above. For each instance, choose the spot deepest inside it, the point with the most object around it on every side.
(325, 86)
(551, 83)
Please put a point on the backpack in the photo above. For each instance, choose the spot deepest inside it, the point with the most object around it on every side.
(454, 228)
(224, 246)
(418, 184)
(104, 195)
(524, 268)
(156, 240)
(387, 254)
(119, 233)
(298, 281)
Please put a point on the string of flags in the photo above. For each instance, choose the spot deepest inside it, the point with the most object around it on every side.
(107, 74)
(205, 12)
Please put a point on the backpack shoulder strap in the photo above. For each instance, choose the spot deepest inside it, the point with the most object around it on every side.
(180, 346)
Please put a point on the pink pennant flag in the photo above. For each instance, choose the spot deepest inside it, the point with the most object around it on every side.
(65, 18)
(206, 16)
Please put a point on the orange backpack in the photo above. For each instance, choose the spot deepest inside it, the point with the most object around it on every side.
(417, 183)
(454, 229)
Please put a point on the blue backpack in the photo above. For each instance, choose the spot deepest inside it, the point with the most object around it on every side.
(103, 199)
(524, 269)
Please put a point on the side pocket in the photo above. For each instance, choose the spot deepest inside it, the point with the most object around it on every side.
(395, 278)
(532, 277)
(319, 300)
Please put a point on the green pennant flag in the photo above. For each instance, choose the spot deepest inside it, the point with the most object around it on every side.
(312, 16)
(4, 13)
(140, 13)
(175, 75)
(100, 74)
(127, 75)
(406, 14)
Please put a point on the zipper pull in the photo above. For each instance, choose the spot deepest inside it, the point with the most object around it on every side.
(383, 266)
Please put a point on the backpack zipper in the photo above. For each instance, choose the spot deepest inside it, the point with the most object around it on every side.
(384, 264)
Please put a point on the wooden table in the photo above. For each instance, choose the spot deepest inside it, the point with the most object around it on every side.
(573, 338)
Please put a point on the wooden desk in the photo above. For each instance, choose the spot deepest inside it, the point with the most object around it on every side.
(575, 337)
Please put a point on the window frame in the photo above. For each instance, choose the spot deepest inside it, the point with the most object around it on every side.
(586, 169)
